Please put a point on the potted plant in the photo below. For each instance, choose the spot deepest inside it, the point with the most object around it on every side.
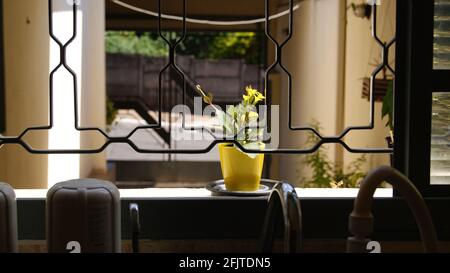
(241, 171)
(326, 174)
(111, 114)
(380, 85)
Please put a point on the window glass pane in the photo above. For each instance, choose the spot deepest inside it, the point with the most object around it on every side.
(440, 139)
(441, 56)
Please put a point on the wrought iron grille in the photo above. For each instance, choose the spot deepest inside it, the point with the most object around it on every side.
(337, 139)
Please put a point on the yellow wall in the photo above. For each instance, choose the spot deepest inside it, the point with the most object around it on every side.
(314, 58)
(26, 84)
(93, 111)
(27, 55)
(360, 55)
(328, 56)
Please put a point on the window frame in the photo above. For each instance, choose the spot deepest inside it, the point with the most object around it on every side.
(2, 75)
(221, 218)
(324, 218)
(415, 83)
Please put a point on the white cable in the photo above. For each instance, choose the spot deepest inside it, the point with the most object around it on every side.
(204, 22)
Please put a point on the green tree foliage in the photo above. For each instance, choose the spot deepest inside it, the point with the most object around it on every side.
(201, 45)
(128, 42)
(111, 112)
(224, 45)
(388, 105)
(324, 173)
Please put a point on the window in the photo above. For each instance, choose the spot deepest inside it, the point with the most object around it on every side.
(441, 53)
(440, 122)
(413, 100)
(440, 139)
(423, 104)
(222, 62)
(2, 75)
(314, 57)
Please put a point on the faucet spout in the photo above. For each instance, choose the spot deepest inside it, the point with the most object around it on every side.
(283, 203)
(361, 219)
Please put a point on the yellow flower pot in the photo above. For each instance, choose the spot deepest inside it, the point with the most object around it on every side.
(240, 171)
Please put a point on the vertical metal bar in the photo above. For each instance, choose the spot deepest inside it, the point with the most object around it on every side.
(160, 72)
(372, 77)
(268, 100)
(2, 75)
(266, 30)
(172, 64)
(50, 26)
(183, 36)
(74, 75)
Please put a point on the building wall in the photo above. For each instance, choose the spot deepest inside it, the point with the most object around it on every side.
(93, 111)
(330, 52)
(313, 57)
(360, 56)
(26, 85)
(29, 56)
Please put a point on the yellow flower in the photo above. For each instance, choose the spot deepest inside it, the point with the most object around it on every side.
(336, 185)
(253, 96)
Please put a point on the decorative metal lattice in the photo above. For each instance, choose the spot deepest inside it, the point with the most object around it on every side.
(338, 139)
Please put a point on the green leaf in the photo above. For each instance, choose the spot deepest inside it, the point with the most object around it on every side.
(388, 105)
(324, 173)
(208, 99)
(253, 146)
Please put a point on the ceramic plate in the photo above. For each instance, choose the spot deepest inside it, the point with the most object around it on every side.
(217, 188)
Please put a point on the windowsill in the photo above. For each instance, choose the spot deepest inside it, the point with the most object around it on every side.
(192, 213)
(177, 193)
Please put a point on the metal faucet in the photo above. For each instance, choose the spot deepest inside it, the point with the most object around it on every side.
(284, 205)
(361, 219)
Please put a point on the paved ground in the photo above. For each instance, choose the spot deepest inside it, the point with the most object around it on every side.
(149, 139)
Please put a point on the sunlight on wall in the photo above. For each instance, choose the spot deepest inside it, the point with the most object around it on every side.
(313, 58)
(64, 135)
(26, 51)
(362, 53)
